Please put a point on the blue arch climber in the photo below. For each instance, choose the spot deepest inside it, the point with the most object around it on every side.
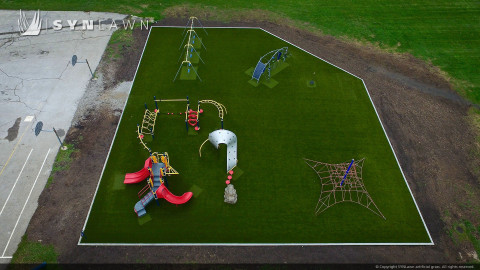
(265, 62)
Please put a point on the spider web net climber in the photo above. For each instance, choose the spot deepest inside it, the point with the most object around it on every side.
(342, 182)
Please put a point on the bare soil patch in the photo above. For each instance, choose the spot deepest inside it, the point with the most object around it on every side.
(426, 121)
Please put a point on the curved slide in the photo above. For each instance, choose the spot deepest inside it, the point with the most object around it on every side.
(137, 177)
(163, 192)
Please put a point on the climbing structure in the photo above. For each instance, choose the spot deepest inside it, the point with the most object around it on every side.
(268, 62)
(190, 55)
(149, 119)
(140, 136)
(342, 183)
(147, 126)
(227, 137)
(192, 117)
(222, 110)
(148, 122)
(165, 159)
(156, 169)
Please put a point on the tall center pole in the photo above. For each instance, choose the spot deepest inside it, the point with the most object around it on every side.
(345, 176)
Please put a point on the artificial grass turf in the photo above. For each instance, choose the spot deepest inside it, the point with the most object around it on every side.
(276, 128)
(188, 73)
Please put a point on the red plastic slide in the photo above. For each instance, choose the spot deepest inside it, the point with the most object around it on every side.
(163, 192)
(137, 177)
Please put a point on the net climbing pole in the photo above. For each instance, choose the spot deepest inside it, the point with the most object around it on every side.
(342, 182)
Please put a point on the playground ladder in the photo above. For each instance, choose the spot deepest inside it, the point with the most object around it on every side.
(145, 200)
(148, 123)
(143, 190)
(258, 71)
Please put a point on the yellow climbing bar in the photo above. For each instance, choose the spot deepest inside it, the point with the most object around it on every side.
(140, 137)
(171, 100)
(221, 108)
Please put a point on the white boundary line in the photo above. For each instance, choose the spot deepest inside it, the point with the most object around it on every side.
(114, 136)
(16, 181)
(226, 27)
(311, 54)
(25, 204)
(401, 170)
(381, 124)
(256, 244)
(5, 257)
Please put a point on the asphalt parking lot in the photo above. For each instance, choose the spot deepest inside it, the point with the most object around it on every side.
(38, 83)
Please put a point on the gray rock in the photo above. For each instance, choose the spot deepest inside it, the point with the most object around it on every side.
(230, 194)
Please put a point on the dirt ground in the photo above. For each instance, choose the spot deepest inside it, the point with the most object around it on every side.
(425, 120)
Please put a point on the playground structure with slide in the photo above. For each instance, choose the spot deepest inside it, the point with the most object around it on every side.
(156, 169)
(157, 166)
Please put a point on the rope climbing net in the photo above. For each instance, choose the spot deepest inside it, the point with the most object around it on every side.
(342, 185)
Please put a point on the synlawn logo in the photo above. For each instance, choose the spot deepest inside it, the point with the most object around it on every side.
(33, 28)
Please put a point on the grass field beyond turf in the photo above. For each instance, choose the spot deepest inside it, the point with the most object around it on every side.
(276, 128)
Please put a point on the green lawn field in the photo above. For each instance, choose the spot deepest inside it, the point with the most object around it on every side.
(447, 33)
(276, 128)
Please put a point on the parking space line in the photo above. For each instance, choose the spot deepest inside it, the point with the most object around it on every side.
(14, 148)
(11, 191)
(25, 204)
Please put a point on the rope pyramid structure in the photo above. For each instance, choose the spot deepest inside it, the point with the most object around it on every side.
(342, 182)
(190, 47)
